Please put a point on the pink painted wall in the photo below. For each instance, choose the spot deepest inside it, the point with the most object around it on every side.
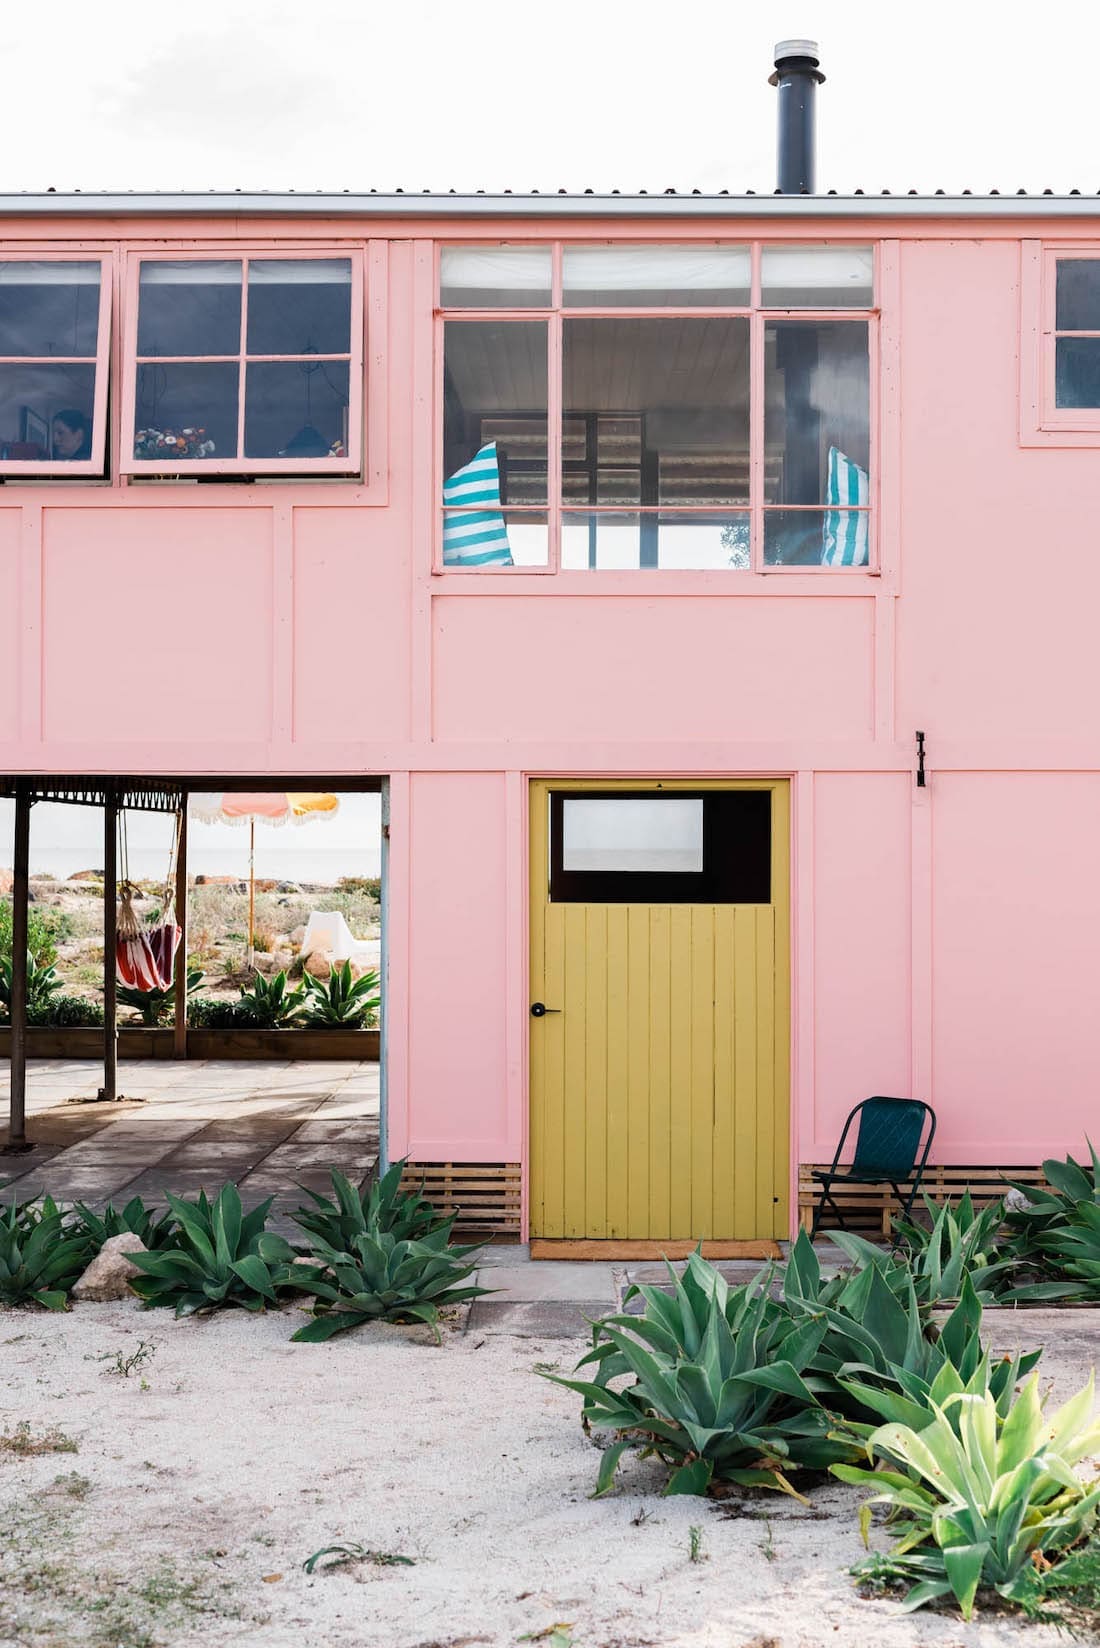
(944, 939)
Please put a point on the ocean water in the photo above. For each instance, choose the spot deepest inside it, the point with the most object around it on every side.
(293, 861)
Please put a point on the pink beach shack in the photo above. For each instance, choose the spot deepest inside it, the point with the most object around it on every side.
(677, 566)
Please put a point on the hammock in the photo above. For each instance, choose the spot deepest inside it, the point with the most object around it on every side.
(145, 956)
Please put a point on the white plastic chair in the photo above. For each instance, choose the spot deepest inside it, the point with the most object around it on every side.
(328, 931)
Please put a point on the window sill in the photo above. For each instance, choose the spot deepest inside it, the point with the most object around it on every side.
(776, 581)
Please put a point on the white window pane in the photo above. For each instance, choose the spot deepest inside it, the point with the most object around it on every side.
(49, 274)
(300, 272)
(191, 308)
(632, 834)
(495, 277)
(49, 308)
(645, 276)
(817, 277)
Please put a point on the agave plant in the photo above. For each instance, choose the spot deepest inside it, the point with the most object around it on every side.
(272, 1003)
(135, 1219)
(881, 1355)
(41, 1254)
(1055, 1233)
(719, 1389)
(342, 1000)
(217, 1255)
(43, 983)
(381, 1278)
(155, 1005)
(383, 1206)
(979, 1502)
(961, 1241)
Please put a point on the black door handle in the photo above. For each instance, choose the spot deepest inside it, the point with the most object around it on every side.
(539, 1009)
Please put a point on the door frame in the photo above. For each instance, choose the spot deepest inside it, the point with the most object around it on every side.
(782, 785)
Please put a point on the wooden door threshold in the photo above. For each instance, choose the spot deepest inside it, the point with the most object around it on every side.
(543, 1247)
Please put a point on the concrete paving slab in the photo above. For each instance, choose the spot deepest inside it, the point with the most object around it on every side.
(556, 1280)
(531, 1319)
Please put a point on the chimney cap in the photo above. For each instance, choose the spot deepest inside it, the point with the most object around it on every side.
(805, 53)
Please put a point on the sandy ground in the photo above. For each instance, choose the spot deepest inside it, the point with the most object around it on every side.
(205, 1478)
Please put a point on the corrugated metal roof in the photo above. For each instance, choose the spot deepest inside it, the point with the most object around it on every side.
(662, 203)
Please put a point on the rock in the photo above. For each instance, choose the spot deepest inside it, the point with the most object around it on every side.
(298, 935)
(1015, 1200)
(108, 1275)
(318, 965)
(87, 875)
(264, 961)
(7, 882)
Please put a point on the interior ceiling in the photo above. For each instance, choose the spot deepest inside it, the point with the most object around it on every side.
(609, 365)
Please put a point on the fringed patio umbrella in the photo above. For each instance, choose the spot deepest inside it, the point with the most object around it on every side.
(277, 807)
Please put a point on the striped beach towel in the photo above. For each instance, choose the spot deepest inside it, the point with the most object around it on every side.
(475, 537)
(845, 539)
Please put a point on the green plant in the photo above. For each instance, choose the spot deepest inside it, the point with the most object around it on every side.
(127, 1361)
(206, 1013)
(978, 1502)
(218, 1255)
(382, 1206)
(881, 1354)
(72, 1012)
(371, 885)
(41, 1254)
(155, 1005)
(961, 1240)
(382, 1278)
(721, 1388)
(696, 1552)
(45, 930)
(270, 1003)
(135, 1219)
(342, 1000)
(1055, 1235)
(42, 983)
(340, 1555)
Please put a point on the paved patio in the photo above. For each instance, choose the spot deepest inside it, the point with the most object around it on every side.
(268, 1126)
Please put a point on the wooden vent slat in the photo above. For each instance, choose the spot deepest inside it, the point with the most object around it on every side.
(487, 1196)
(870, 1208)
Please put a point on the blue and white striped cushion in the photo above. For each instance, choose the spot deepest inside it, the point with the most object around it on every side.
(478, 537)
(845, 539)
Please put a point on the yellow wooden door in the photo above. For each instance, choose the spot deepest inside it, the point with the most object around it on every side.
(660, 1066)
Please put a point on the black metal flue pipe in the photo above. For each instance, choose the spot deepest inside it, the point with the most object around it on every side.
(797, 77)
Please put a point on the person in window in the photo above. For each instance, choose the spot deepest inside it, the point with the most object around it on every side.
(72, 435)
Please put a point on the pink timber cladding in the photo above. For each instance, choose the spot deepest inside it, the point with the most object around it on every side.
(946, 940)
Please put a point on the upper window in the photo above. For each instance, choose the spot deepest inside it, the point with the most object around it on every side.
(1059, 345)
(54, 331)
(679, 407)
(244, 365)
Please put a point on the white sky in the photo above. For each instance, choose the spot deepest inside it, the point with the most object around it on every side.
(336, 94)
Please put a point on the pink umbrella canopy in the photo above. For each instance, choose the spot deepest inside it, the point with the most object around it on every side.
(275, 807)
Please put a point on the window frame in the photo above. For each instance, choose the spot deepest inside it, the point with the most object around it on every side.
(1042, 422)
(758, 317)
(350, 467)
(95, 467)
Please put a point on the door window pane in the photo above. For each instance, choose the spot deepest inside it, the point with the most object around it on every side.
(296, 409)
(817, 277)
(46, 412)
(1077, 372)
(191, 308)
(685, 385)
(299, 306)
(646, 277)
(626, 541)
(49, 308)
(816, 397)
(633, 835)
(495, 277)
(1077, 299)
(186, 411)
(494, 378)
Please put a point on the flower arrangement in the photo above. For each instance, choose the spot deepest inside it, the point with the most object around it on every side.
(172, 443)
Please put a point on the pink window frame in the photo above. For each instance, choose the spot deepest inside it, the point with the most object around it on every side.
(759, 318)
(1041, 422)
(94, 466)
(352, 465)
